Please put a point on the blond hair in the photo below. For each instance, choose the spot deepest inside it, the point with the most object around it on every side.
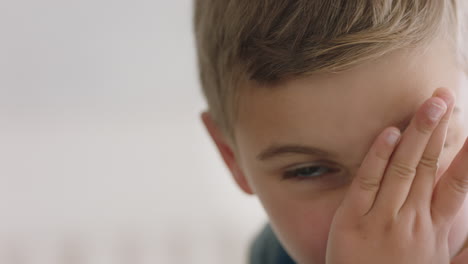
(265, 41)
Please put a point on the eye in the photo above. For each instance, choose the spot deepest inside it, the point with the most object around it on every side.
(308, 172)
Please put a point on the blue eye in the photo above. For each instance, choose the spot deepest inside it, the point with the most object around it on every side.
(309, 172)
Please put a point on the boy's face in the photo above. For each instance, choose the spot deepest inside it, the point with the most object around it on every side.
(300, 143)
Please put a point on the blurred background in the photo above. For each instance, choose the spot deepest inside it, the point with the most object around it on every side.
(103, 158)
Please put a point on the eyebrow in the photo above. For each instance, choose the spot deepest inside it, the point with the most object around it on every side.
(276, 150)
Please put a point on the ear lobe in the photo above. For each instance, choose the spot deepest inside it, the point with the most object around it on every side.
(226, 152)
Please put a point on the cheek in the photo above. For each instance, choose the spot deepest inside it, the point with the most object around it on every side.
(302, 225)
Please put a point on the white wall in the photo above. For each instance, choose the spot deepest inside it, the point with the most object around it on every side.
(103, 158)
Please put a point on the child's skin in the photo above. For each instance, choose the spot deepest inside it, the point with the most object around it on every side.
(347, 115)
(394, 221)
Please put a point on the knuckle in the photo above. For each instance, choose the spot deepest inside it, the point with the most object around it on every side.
(368, 183)
(382, 154)
(426, 126)
(430, 162)
(459, 184)
(419, 223)
(362, 227)
(388, 227)
(444, 121)
(402, 170)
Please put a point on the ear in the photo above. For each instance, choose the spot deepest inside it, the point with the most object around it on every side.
(226, 152)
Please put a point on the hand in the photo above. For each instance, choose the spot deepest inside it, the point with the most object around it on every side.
(394, 212)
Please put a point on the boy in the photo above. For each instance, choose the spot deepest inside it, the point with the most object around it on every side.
(347, 119)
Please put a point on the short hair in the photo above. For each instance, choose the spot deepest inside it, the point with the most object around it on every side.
(265, 41)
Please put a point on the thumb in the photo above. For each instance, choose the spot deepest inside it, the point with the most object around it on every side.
(461, 258)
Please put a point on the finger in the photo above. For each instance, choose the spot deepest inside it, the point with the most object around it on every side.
(402, 167)
(451, 189)
(421, 191)
(365, 186)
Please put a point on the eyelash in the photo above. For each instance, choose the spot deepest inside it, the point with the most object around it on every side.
(295, 173)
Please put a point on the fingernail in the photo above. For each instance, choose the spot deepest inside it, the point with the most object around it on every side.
(445, 95)
(435, 111)
(392, 137)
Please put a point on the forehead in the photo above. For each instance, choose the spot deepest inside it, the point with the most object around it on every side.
(333, 111)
